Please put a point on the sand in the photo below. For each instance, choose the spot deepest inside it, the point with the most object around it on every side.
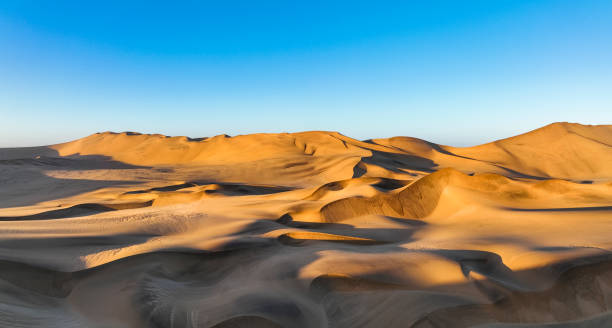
(312, 229)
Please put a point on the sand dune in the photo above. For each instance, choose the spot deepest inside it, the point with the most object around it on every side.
(558, 150)
(312, 229)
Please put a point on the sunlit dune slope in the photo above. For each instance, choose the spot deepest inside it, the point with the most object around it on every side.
(143, 149)
(559, 150)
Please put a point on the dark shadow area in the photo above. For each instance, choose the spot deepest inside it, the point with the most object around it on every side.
(290, 240)
(328, 283)
(578, 294)
(381, 184)
(263, 280)
(287, 219)
(196, 139)
(519, 174)
(75, 162)
(424, 166)
(326, 188)
(23, 180)
(25, 186)
(386, 184)
(249, 321)
(226, 189)
(77, 211)
(561, 209)
(511, 171)
(32, 278)
(395, 163)
(238, 189)
(165, 188)
(373, 236)
(112, 241)
(7, 154)
(45, 157)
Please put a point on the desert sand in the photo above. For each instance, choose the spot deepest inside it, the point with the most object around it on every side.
(311, 229)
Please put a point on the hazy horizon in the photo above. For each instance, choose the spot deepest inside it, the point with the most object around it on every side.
(451, 73)
(278, 132)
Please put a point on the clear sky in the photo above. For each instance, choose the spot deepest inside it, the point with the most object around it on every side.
(452, 72)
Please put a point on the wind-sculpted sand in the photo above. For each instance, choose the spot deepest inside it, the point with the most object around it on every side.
(310, 229)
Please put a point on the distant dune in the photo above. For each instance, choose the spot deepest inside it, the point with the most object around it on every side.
(311, 229)
(559, 150)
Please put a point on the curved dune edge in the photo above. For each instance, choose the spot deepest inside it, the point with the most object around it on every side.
(417, 200)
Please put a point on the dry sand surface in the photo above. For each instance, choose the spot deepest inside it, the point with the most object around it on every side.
(310, 229)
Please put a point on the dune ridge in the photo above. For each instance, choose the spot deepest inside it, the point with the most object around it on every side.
(558, 150)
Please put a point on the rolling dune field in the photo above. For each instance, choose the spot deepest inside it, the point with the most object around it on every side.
(311, 229)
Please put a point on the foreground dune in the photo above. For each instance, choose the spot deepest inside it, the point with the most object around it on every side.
(310, 229)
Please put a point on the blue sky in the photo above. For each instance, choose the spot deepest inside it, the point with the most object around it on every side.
(452, 72)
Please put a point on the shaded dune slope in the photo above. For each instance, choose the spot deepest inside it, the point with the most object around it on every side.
(77, 210)
(173, 289)
(415, 201)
